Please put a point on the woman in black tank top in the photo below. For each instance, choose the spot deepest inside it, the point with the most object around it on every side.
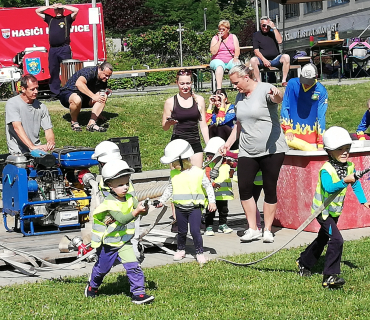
(184, 111)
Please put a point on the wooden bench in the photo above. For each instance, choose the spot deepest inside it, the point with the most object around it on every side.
(196, 70)
(295, 68)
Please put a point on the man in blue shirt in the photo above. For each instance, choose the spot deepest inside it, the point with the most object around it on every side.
(304, 107)
(87, 89)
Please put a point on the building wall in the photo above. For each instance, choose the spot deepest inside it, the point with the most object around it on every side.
(349, 19)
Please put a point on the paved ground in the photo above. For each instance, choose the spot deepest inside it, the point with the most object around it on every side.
(219, 245)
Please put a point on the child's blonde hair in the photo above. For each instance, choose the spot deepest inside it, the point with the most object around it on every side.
(186, 164)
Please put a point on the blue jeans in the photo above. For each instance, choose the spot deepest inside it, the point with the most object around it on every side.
(274, 63)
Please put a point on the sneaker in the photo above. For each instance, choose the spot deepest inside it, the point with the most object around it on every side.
(303, 271)
(250, 235)
(209, 231)
(179, 255)
(268, 237)
(142, 298)
(201, 259)
(90, 292)
(332, 281)
(224, 229)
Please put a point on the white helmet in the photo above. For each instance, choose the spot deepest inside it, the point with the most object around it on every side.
(214, 144)
(175, 149)
(336, 137)
(106, 151)
(115, 169)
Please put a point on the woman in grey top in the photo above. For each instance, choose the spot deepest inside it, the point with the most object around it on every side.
(262, 146)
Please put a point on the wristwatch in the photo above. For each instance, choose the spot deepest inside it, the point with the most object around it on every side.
(274, 28)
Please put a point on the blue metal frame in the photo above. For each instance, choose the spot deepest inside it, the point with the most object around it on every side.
(15, 185)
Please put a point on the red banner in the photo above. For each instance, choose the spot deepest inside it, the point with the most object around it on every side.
(22, 28)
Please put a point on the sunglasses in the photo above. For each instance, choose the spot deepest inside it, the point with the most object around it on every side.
(184, 72)
(221, 29)
(265, 25)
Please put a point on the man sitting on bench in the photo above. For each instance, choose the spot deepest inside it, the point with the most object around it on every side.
(266, 49)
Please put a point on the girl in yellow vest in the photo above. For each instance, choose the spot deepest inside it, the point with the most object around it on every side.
(113, 228)
(334, 175)
(185, 187)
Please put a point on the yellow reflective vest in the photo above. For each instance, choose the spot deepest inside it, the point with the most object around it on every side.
(187, 186)
(225, 191)
(335, 207)
(258, 179)
(116, 234)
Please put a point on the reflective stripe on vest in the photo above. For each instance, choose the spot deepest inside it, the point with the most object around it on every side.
(115, 234)
(225, 191)
(187, 186)
(335, 207)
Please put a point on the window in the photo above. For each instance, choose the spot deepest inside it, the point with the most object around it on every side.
(333, 3)
(291, 10)
(312, 6)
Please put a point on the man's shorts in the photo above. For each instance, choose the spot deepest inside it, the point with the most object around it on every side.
(274, 63)
(217, 62)
(64, 98)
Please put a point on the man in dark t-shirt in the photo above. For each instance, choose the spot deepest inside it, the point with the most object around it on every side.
(87, 88)
(266, 49)
(59, 40)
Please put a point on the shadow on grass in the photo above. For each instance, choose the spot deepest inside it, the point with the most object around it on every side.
(84, 117)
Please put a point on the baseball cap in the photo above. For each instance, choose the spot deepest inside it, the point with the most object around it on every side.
(308, 74)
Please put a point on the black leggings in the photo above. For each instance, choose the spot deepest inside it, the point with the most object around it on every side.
(247, 169)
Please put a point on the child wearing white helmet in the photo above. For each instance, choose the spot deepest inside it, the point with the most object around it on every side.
(185, 187)
(336, 174)
(221, 184)
(113, 229)
(107, 151)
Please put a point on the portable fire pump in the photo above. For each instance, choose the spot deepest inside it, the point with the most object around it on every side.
(46, 191)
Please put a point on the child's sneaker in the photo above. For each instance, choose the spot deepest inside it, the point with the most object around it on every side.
(250, 235)
(303, 271)
(268, 237)
(142, 298)
(90, 292)
(224, 229)
(179, 255)
(209, 231)
(201, 259)
(332, 281)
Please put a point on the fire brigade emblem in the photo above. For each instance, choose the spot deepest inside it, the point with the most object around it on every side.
(33, 65)
(5, 33)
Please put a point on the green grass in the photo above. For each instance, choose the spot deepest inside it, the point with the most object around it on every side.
(269, 290)
(142, 116)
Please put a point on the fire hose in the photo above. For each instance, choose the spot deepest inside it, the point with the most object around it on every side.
(315, 214)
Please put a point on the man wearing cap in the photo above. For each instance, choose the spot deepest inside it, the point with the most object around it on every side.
(304, 107)
(266, 49)
(59, 40)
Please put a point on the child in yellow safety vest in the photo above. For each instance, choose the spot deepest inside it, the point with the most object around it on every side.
(221, 184)
(335, 175)
(107, 151)
(112, 231)
(185, 188)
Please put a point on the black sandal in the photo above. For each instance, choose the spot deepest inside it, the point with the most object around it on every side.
(75, 126)
(95, 128)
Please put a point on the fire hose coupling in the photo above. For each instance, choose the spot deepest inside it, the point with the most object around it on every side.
(86, 178)
(82, 249)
